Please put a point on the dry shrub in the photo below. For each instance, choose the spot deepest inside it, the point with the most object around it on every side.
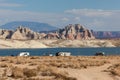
(59, 75)
(62, 75)
(76, 63)
(16, 72)
(30, 72)
(45, 70)
(3, 78)
(115, 69)
(11, 59)
(32, 64)
(3, 65)
(35, 79)
(42, 67)
(34, 57)
(46, 73)
(3, 59)
(20, 60)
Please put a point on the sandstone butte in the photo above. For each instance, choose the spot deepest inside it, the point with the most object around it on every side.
(70, 31)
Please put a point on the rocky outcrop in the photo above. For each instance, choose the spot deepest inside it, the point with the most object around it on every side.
(24, 34)
(71, 32)
(6, 34)
(51, 36)
(21, 33)
(76, 31)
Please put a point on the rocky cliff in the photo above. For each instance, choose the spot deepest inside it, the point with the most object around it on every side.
(21, 33)
(24, 34)
(76, 31)
(6, 34)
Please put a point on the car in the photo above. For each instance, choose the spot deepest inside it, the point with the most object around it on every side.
(99, 54)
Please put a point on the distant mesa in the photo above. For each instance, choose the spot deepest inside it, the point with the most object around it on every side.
(35, 26)
(70, 31)
(106, 34)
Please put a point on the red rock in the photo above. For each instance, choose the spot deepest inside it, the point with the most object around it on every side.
(76, 31)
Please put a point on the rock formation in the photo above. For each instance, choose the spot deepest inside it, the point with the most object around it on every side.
(21, 33)
(76, 31)
(51, 36)
(24, 34)
(5, 34)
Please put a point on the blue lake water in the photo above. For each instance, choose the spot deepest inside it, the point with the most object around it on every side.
(74, 51)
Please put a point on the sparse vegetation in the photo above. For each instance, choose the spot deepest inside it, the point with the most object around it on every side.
(46, 67)
(29, 72)
(115, 69)
(16, 72)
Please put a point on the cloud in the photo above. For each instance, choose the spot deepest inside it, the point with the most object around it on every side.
(65, 19)
(6, 3)
(10, 5)
(77, 18)
(90, 12)
(2, 0)
(98, 21)
(7, 15)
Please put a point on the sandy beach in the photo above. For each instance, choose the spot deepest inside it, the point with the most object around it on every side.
(60, 68)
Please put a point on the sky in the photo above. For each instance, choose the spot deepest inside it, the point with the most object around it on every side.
(98, 15)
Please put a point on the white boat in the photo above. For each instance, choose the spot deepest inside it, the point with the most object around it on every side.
(24, 54)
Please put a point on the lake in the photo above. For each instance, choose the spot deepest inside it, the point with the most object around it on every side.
(74, 51)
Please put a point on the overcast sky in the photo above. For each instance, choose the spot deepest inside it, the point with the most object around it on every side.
(100, 15)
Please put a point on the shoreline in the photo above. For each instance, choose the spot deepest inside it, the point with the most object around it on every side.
(9, 44)
(53, 51)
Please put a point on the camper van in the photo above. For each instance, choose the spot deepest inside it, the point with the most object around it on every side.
(63, 54)
(24, 54)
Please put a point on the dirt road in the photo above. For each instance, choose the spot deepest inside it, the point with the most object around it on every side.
(93, 73)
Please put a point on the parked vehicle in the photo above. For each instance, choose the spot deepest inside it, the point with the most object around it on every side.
(24, 54)
(63, 54)
(100, 54)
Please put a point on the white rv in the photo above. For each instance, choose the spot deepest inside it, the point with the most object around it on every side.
(63, 54)
(24, 54)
